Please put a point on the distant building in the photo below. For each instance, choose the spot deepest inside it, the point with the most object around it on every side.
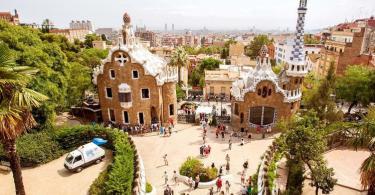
(77, 25)
(349, 44)
(218, 83)
(8, 17)
(237, 54)
(109, 33)
(71, 34)
(283, 50)
(99, 44)
(146, 35)
(135, 86)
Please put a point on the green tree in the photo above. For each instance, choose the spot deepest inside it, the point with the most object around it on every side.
(225, 50)
(89, 39)
(355, 86)
(252, 50)
(363, 135)
(322, 99)
(196, 78)
(322, 177)
(310, 39)
(16, 102)
(179, 59)
(303, 143)
(64, 67)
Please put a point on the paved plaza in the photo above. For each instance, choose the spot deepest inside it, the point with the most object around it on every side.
(186, 142)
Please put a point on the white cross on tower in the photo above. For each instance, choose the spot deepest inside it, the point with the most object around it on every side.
(122, 59)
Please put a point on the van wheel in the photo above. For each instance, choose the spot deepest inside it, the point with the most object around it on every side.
(98, 161)
(79, 169)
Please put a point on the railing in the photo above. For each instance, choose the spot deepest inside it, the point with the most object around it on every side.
(223, 119)
(186, 118)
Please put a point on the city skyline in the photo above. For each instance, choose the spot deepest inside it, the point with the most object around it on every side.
(214, 15)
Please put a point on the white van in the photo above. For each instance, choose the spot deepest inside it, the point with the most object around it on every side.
(84, 156)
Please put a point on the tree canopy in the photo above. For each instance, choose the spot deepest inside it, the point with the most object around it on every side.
(252, 50)
(357, 86)
(64, 68)
(196, 78)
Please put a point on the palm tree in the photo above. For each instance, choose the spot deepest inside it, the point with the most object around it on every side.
(16, 102)
(179, 59)
(365, 136)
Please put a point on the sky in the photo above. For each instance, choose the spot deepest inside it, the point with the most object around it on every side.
(192, 14)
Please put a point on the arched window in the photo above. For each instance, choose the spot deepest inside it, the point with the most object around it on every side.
(284, 86)
(259, 92)
(297, 68)
(264, 92)
(292, 67)
(269, 92)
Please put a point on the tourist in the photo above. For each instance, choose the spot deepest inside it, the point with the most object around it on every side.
(245, 165)
(204, 139)
(222, 134)
(190, 183)
(222, 193)
(217, 131)
(175, 177)
(242, 142)
(249, 180)
(243, 177)
(249, 189)
(219, 184)
(197, 179)
(230, 144)
(211, 191)
(213, 165)
(209, 149)
(165, 160)
(227, 167)
(168, 190)
(244, 190)
(221, 171)
(227, 186)
(201, 150)
(227, 158)
(165, 178)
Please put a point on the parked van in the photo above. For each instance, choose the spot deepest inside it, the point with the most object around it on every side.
(84, 156)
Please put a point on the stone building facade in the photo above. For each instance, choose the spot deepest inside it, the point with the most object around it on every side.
(8, 17)
(134, 85)
(349, 44)
(261, 97)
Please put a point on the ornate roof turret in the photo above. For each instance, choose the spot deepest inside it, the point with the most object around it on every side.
(126, 18)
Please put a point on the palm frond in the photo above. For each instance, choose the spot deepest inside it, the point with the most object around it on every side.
(368, 171)
(28, 98)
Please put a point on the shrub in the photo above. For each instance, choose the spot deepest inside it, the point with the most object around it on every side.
(97, 186)
(148, 187)
(192, 167)
(35, 149)
(120, 177)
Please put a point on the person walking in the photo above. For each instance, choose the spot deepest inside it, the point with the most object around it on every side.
(211, 191)
(165, 160)
(242, 142)
(245, 165)
(175, 177)
(219, 184)
(227, 187)
(222, 134)
(197, 179)
(221, 171)
(243, 177)
(230, 144)
(227, 158)
(227, 168)
(165, 176)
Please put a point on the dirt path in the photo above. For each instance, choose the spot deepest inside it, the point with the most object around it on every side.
(53, 178)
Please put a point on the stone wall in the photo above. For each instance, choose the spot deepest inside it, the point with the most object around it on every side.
(123, 74)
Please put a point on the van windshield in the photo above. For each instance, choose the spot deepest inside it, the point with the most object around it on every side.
(69, 158)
